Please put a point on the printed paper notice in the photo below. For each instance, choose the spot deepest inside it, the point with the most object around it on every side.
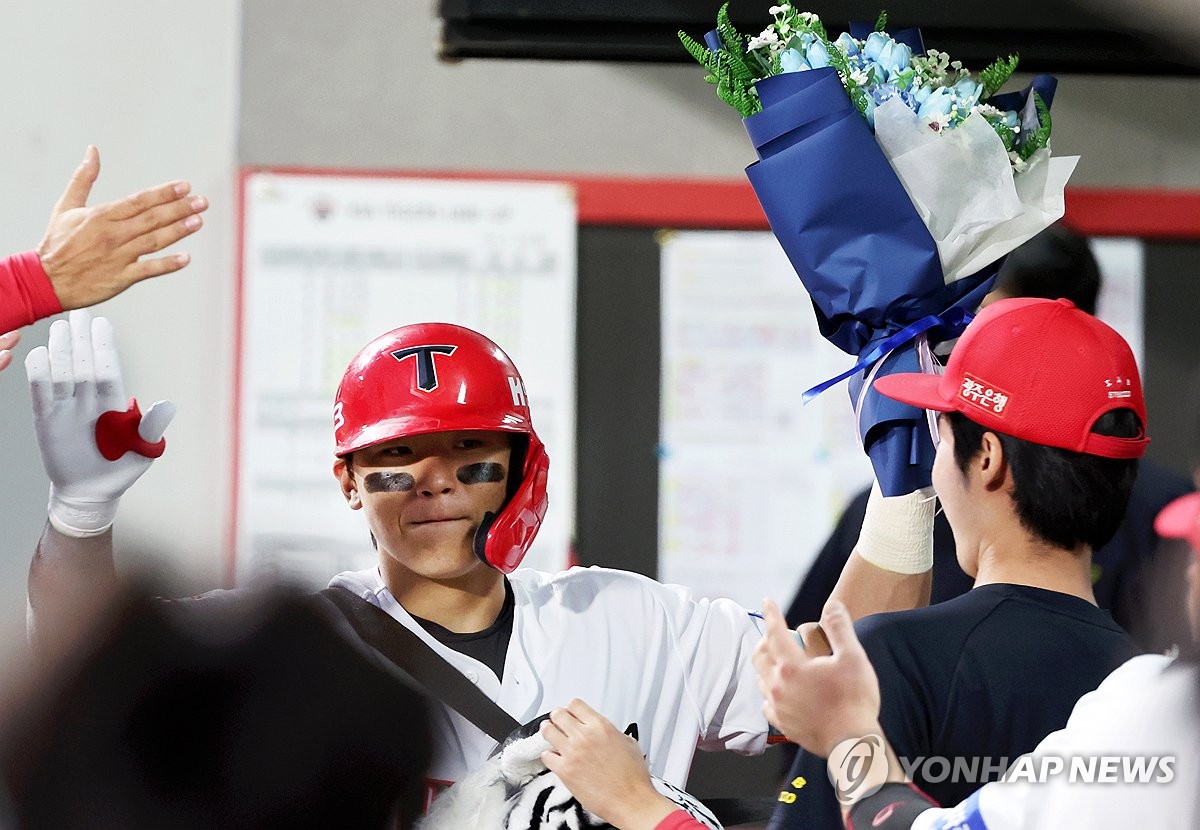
(332, 262)
(750, 480)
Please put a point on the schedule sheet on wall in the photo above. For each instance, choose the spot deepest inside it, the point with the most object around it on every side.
(329, 262)
(751, 480)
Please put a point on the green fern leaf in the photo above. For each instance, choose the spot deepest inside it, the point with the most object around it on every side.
(761, 63)
(730, 36)
(1041, 136)
(996, 76)
(696, 49)
(881, 21)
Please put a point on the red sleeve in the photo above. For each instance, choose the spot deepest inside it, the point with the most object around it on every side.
(680, 820)
(26, 294)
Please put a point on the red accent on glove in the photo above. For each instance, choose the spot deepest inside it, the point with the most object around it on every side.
(117, 434)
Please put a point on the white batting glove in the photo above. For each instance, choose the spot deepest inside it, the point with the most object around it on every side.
(95, 444)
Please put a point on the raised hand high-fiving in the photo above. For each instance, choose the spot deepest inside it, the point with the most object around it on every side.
(95, 443)
(93, 253)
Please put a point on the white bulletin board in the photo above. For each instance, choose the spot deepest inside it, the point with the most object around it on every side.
(330, 262)
(751, 481)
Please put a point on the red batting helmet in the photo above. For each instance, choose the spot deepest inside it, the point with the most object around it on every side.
(438, 377)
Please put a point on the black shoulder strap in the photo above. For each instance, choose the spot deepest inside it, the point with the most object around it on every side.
(436, 677)
(441, 681)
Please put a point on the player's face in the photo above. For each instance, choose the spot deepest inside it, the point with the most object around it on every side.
(424, 497)
(950, 484)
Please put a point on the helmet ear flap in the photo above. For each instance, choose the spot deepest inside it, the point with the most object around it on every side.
(479, 542)
(503, 540)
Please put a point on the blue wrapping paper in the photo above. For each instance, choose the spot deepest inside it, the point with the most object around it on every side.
(859, 247)
(896, 435)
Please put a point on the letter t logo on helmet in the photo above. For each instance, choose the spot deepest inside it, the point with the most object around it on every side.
(439, 377)
(427, 379)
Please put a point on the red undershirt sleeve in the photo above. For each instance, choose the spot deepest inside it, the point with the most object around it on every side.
(679, 820)
(26, 293)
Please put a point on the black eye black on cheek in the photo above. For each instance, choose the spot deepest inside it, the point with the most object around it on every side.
(388, 482)
(481, 473)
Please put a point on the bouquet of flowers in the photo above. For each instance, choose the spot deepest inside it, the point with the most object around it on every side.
(896, 182)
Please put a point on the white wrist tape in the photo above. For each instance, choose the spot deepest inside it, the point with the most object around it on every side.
(897, 531)
(80, 519)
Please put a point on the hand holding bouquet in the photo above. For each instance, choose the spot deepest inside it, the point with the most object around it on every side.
(896, 182)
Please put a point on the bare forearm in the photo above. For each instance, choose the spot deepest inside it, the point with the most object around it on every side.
(68, 577)
(638, 811)
(889, 569)
(868, 589)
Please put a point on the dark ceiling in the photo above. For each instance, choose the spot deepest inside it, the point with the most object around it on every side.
(1059, 36)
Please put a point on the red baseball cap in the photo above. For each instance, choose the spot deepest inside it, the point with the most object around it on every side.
(1039, 370)
(1181, 520)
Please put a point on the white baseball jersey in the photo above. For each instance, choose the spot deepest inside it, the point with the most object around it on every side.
(635, 650)
(1113, 770)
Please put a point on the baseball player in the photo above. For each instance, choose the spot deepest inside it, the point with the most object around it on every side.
(437, 449)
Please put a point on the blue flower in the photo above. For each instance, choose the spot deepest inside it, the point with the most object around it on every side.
(967, 92)
(891, 56)
(874, 45)
(817, 55)
(792, 61)
(803, 53)
(936, 105)
(877, 94)
(848, 44)
(883, 92)
(802, 41)
(869, 112)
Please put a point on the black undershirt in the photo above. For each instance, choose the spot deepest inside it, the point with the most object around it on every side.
(488, 646)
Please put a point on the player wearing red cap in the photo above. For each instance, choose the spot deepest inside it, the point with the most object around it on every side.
(1042, 420)
(435, 445)
(1127, 756)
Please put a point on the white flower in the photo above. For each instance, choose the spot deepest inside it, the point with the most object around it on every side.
(779, 9)
(809, 17)
(1019, 165)
(859, 77)
(939, 122)
(768, 37)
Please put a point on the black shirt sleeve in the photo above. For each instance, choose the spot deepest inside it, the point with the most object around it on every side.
(807, 799)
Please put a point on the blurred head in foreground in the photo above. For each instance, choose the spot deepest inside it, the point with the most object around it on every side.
(249, 714)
